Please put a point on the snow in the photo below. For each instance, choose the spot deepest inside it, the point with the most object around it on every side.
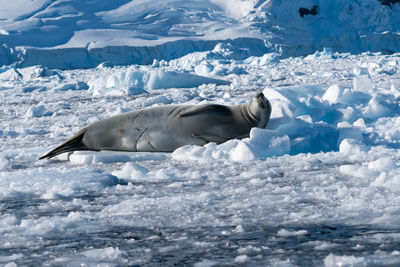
(318, 186)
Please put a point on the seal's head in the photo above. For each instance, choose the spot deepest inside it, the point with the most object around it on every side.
(260, 109)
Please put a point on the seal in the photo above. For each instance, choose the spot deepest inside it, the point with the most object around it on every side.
(165, 128)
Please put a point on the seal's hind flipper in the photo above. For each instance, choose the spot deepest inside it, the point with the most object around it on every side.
(73, 144)
(211, 138)
(222, 110)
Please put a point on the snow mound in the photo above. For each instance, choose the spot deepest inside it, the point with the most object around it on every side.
(261, 144)
(131, 171)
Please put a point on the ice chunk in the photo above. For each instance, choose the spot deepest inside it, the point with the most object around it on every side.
(356, 171)
(382, 164)
(243, 152)
(205, 263)
(380, 106)
(73, 86)
(109, 253)
(38, 111)
(205, 68)
(133, 82)
(158, 79)
(321, 245)
(267, 143)
(387, 179)
(10, 75)
(131, 171)
(286, 233)
(350, 132)
(4, 163)
(326, 53)
(333, 94)
(242, 259)
(36, 72)
(333, 260)
(264, 60)
(81, 158)
(351, 146)
(363, 83)
(374, 168)
(118, 83)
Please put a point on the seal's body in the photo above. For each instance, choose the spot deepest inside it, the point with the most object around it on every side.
(163, 129)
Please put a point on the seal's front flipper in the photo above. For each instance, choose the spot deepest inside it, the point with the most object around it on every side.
(211, 138)
(221, 110)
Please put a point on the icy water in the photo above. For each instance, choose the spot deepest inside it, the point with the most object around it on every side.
(224, 219)
(277, 212)
(260, 244)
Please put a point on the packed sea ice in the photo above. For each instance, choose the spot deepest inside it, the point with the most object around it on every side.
(322, 180)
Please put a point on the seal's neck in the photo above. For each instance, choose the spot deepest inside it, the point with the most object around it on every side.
(259, 111)
(249, 116)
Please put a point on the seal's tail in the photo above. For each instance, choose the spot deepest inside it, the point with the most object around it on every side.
(73, 144)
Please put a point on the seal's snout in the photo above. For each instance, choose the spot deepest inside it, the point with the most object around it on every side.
(260, 95)
(262, 100)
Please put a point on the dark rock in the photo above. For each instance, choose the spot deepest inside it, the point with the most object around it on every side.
(389, 3)
(305, 11)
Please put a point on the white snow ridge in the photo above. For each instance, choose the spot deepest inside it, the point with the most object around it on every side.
(318, 187)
